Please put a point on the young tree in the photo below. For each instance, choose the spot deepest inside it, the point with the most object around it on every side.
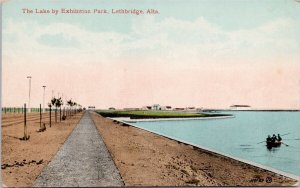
(53, 102)
(50, 105)
(58, 104)
(75, 104)
(70, 104)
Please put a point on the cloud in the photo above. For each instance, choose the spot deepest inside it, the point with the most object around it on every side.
(58, 40)
(200, 39)
(207, 57)
(168, 39)
(279, 37)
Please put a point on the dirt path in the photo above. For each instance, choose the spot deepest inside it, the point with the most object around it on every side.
(82, 161)
(147, 159)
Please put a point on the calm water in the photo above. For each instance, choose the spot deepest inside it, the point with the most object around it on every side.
(239, 136)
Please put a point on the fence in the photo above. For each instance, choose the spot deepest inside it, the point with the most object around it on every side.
(59, 114)
(21, 110)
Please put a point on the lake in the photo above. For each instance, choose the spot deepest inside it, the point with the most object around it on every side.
(239, 136)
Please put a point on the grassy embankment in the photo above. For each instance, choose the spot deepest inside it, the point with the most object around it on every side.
(150, 114)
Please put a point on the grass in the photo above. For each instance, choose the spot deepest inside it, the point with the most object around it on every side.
(144, 114)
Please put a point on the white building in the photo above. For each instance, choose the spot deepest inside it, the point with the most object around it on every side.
(156, 107)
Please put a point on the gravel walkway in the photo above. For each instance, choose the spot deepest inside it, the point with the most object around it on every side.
(83, 160)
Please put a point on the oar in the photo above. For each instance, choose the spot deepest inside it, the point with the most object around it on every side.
(292, 139)
(285, 134)
(281, 135)
(284, 144)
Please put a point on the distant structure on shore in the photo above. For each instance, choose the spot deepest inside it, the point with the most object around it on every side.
(158, 107)
(91, 108)
(240, 107)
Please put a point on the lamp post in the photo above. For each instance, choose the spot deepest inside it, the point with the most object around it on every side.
(44, 87)
(29, 79)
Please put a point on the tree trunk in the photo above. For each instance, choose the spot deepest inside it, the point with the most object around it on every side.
(55, 115)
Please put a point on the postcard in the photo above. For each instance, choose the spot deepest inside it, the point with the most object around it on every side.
(105, 93)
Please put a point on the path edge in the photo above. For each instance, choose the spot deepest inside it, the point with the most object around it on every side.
(57, 150)
(91, 113)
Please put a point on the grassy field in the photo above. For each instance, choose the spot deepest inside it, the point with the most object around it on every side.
(144, 114)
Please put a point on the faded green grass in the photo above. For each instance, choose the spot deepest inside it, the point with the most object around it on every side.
(138, 114)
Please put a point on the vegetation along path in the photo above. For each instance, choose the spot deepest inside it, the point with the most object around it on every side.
(83, 160)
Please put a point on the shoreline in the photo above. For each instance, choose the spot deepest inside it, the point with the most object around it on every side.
(254, 110)
(148, 159)
(155, 114)
(215, 152)
(127, 119)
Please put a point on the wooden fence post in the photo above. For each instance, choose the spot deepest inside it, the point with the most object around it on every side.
(50, 115)
(40, 116)
(25, 127)
(55, 115)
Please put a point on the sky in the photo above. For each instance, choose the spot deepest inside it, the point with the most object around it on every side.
(209, 54)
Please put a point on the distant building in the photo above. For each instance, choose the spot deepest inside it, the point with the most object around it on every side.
(199, 109)
(240, 107)
(179, 109)
(190, 108)
(91, 107)
(156, 107)
(112, 108)
(146, 107)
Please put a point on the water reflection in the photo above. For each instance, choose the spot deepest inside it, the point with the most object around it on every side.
(272, 149)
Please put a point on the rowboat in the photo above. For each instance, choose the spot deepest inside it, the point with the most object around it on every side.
(271, 144)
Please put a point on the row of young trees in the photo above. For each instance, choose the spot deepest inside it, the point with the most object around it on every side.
(58, 102)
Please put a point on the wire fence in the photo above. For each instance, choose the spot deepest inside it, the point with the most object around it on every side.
(21, 110)
(54, 115)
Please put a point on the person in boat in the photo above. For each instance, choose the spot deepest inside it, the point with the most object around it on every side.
(279, 138)
(269, 139)
(274, 138)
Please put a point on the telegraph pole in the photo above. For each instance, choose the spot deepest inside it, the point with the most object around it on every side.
(44, 87)
(29, 79)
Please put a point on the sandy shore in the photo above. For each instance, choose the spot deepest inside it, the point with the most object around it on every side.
(23, 161)
(147, 159)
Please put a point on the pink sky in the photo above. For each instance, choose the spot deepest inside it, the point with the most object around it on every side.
(166, 61)
(135, 84)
